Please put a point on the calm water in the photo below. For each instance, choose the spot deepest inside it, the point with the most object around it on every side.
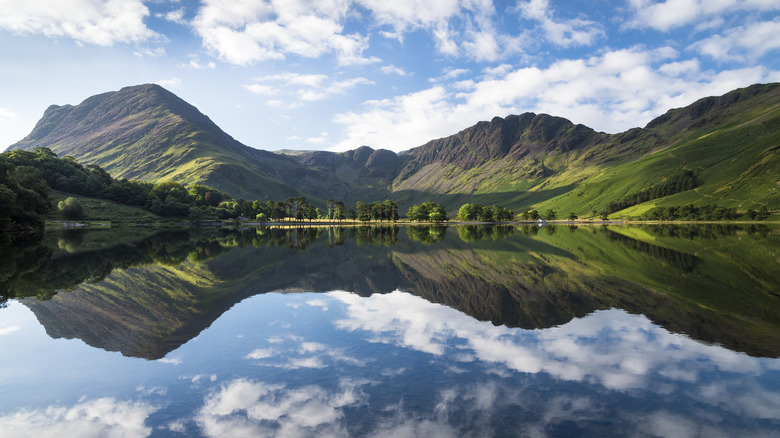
(425, 331)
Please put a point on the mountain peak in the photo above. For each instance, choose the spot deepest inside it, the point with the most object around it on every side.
(513, 135)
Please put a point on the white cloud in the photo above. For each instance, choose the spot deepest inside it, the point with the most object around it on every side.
(195, 64)
(169, 83)
(174, 16)
(612, 92)
(243, 32)
(670, 14)
(408, 15)
(393, 70)
(322, 139)
(572, 32)
(100, 22)
(154, 52)
(105, 417)
(453, 73)
(262, 90)
(458, 27)
(743, 43)
(302, 87)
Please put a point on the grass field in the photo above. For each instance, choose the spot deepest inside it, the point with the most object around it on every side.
(102, 211)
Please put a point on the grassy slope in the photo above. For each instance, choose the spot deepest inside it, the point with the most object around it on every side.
(731, 144)
(736, 162)
(101, 210)
(147, 133)
(522, 162)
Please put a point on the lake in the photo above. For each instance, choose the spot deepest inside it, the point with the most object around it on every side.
(476, 331)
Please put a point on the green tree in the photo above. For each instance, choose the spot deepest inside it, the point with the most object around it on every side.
(469, 212)
(550, 215)
(340, 210)
(572, 216)
(204, 195)
(363, 212)
(331, 203)
(24, 197)
(312, 212)
(169, 198)
(71, 209)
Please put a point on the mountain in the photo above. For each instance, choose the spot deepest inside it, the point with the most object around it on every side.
(538, 161)
(725, 148)
(146, 132)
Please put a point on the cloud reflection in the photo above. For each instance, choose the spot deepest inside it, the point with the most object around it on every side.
(103, 417)
(248, 408)
(612, 348)
(8, 330)
(294, 353)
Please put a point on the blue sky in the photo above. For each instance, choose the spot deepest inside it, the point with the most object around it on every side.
(338, 74)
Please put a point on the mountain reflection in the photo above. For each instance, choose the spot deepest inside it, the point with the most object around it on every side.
(398, 365)
(147, 297)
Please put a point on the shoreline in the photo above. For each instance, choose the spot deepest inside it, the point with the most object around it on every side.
(92, 225)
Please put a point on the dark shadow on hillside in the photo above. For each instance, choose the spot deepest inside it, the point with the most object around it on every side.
(452, 202)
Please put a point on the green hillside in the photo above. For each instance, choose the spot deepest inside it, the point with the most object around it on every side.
(729, 143)
(717, 151)
(732, 148)
(148, 133)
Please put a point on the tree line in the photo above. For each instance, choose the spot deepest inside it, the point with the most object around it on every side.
(704, 213)
(676, 183)
(26, 178)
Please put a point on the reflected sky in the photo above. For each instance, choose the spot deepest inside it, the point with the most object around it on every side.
(337, 364)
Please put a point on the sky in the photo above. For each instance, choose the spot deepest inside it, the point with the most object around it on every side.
(340, 74)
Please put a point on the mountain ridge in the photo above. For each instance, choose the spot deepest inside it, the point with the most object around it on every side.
(522, 161)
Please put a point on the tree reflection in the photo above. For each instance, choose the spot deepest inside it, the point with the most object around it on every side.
(474, 233)
(714, 282)
(427, 234)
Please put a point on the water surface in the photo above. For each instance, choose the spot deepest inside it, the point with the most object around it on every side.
(424, 331)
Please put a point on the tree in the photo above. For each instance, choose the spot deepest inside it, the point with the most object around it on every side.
(572, 216)
(204, 195)
(71, 208)
(24, 197)
(339, 210)
(427, 211)
(469, 212)
(363, 213)
(331, 204)
(550, 215)
(437, 213)
(169, 198)
(312, 213)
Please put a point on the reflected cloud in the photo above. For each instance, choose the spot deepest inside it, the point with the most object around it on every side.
(8, 330)
(103, 417)
(170, 360)
(613, 349)
(301, 354)
(261, 353)
(247, 408)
